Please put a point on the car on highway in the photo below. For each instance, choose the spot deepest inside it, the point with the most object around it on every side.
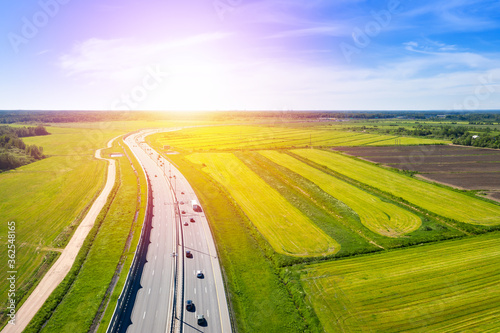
(201, 319)
(189, 254)
(199, 274)
(186, 223)
(189, 305)
(182, 202)
(191, 220)
(182, 192)
(183, 212)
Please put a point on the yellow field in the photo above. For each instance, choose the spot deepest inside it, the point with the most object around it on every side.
(381, 217)
(436, 199)
(445, 287)
(266, 137)
(287, 229)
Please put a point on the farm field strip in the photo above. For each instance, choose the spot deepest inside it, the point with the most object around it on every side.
(441, 150)
(445, 287)
(439, 159)
(470, 180)
(403, 140)
(380, 217)
(253, 137)
(436, 199)
(284, 226)
(450, 168)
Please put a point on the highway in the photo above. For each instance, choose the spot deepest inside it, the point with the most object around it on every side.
(176, 227)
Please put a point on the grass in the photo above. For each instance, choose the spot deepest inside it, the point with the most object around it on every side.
(47, 199)
(259, 299)
(439, 200)
(287, 229)
(80, 305)
(447, 287)
(269, 137)
(129, 252)
(379, 216)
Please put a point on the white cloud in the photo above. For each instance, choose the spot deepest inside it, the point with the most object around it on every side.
(118, 58)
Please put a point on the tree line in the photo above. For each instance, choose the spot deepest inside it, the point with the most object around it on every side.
(14, 152)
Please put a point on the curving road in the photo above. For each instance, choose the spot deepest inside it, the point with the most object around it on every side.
(153, 306)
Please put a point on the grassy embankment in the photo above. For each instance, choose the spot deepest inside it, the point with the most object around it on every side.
(47, 200)
(79, 307)
(450, 286)
(444, 202)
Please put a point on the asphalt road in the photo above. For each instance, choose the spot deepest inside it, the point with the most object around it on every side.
(152, 309)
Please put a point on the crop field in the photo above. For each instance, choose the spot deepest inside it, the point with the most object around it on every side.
(380, 217)
(441, 201)
(467, 168)
(47, 199)
(80, 305)
(447, 287)
(264, 137)
(284, 226)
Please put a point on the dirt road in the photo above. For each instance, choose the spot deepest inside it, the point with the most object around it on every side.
(62, 266)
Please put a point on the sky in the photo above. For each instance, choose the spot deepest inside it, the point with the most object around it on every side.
(250, 55)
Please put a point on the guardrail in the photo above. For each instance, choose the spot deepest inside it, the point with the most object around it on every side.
(123, 309)
(119, 322)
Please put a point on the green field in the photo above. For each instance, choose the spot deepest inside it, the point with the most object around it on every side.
(47, 199)
(379, 216)
(439, 200)
(285, 227)
(268, 137)
(80, 305)
(446, 287)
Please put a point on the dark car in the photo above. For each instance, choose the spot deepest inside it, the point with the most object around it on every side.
(183, 212)
(189, 254)
(189, 305)
(199, 274)
(191, 220)
(201, 319)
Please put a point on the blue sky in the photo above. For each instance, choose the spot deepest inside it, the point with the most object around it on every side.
(250, 55)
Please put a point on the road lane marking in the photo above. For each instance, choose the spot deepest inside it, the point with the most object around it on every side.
(149, 292)
(206, 290)
(195, 290)
(144, 315)
(153, 272)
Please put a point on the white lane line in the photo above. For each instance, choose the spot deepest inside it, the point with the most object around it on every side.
(149, 292)
(156, 314)
(195, 290)
(208, 314)
(155, 257)
(160, 290)
(206, 290)
(153, 272)
(144, 315)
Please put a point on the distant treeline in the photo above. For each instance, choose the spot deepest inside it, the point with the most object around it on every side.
(438, 132)
(486, 140)
(13, 151)
(8, 117)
